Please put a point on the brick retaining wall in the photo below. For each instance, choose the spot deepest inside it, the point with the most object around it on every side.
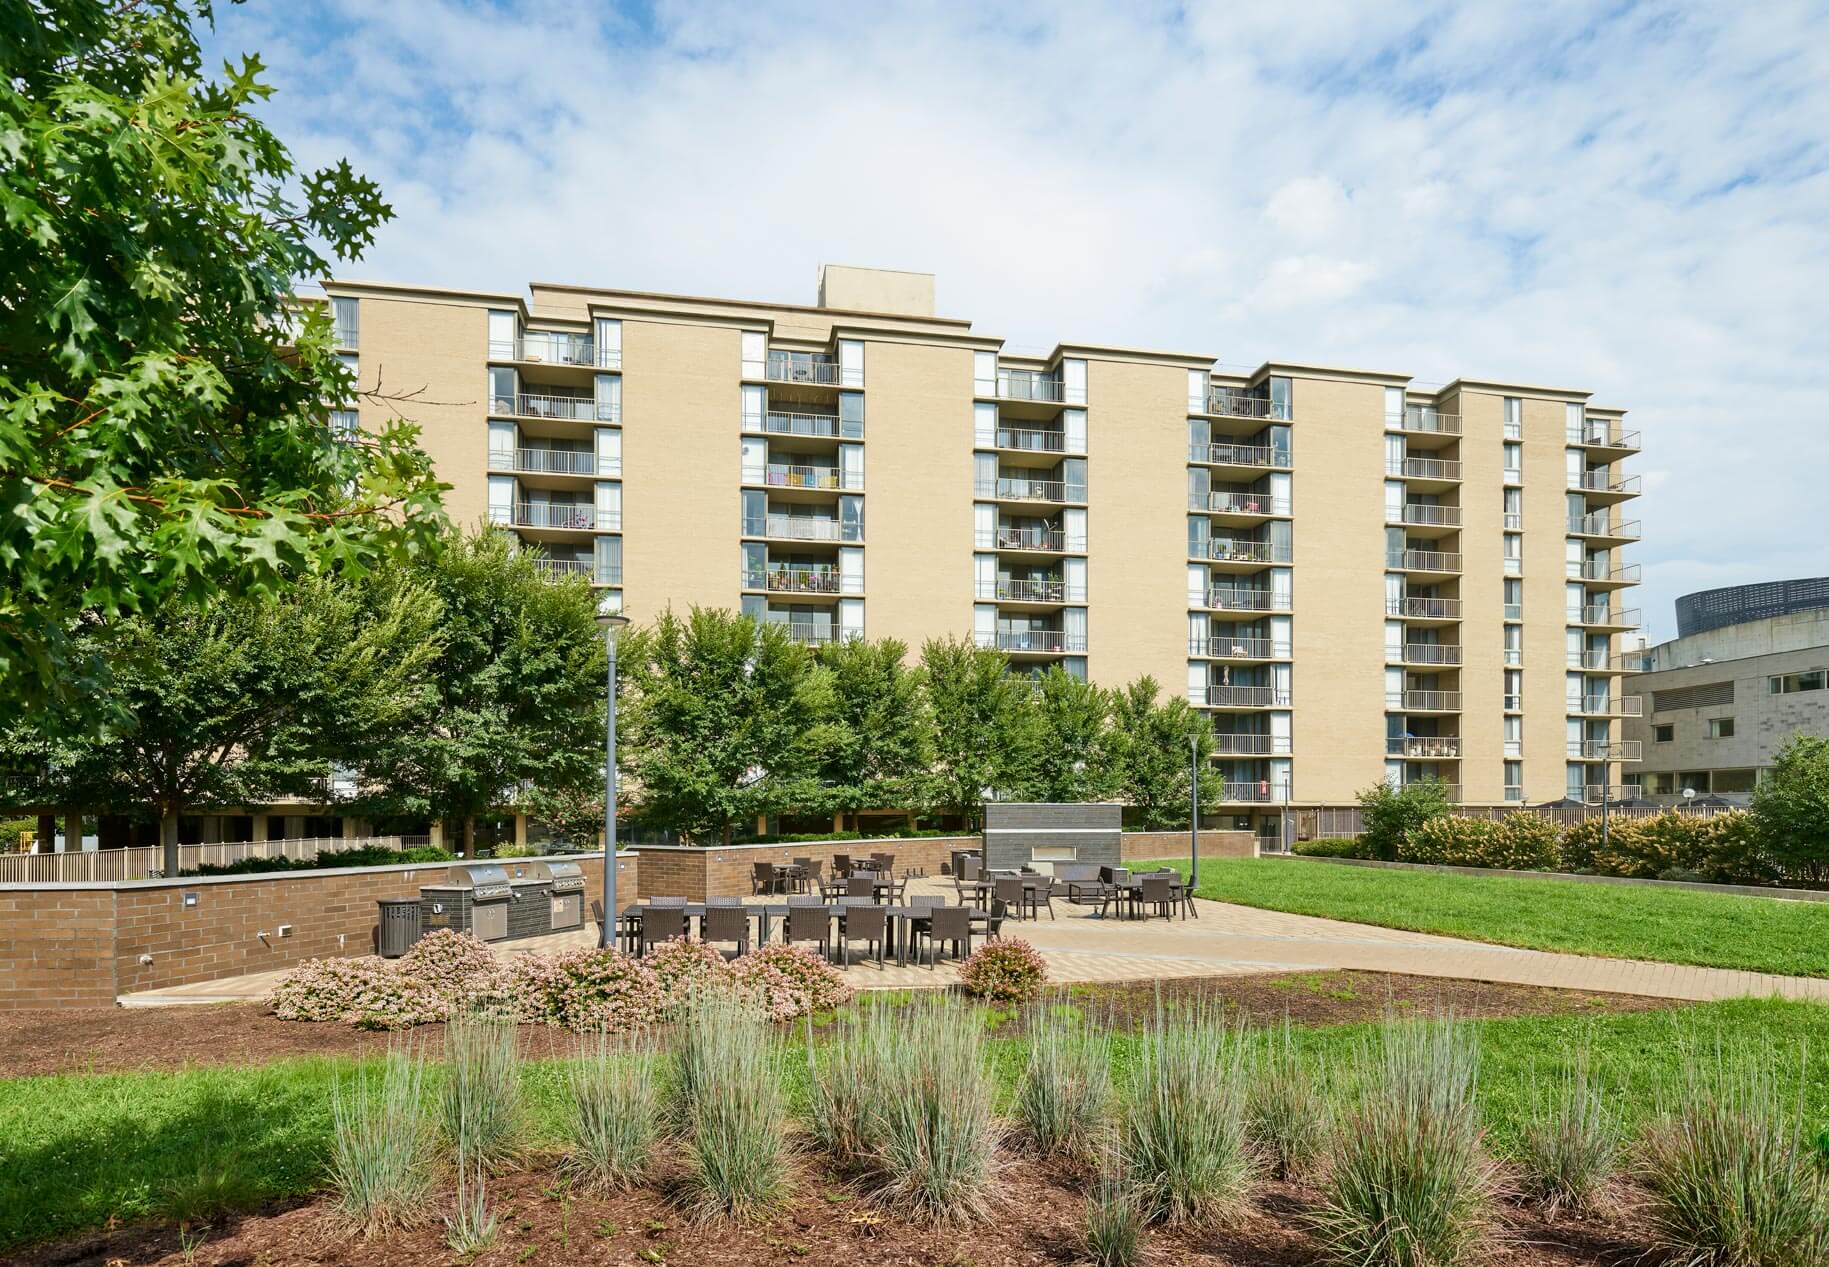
(1146, 846)
(74, 945)
(696, 873)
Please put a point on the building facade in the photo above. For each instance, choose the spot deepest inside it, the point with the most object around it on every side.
(1357, 580)
(1722, 700)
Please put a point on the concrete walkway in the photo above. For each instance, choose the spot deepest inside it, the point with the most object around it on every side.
(1225, 940)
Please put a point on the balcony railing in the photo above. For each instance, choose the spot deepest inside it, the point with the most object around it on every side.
(1006, 538)
(1602, 525)
(1230, 745)
(1605, 482)
(1602, 435)
(1031, 590)
(803, 528)
(548, 347)
(1602, 614)
(1239, 550)
(800, 424)
(1606, 750)
(783, 475)
(550, 405)
(1046, 641)
(1423, 608)
(1425, 515)
(1450, 790)
(1031, 439)
(1239, 696)
(1221, 503)
(802, 580)
(554, 462)
(1608, 705)
(1424, 701)
(563, 567)
(1423, 747)
(1232, 403)
(1239, 648)
(568, 517)
(807, 631)
(1423, 560)
(1012, 488)
(1426, 419)
(791, 367)
(1246, 600)
(1430, 653)
(1029, 385)
(1239, 454)
(1256, 792)
(1423, 468)
(1598, 571)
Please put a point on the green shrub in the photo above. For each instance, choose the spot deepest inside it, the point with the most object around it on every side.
(380, 1144)
(1064, 1098)
(1410, 1185)
(355, 856)
(1286, 1111)
(1391, 813)
(812, 838)
(1330, 847)
(1569, 1147)
(938, 1134)
(1184, 1138)
(731, 1102)
(1004, 970)
(1517, 842)
(1113, 1231)
(612, 1118)
(481, 1105)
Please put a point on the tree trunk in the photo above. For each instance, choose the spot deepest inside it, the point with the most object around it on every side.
(469, 849)
(47, 834)
(168, 840)
(73, 830)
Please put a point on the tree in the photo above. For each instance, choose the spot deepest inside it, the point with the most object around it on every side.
(983, 731)
(880, 748)
(574, 812)
(162, 427)
(1074, 758)
(1790, 807)
(238, 700)
(517, 690)
(1151, 741)
(1390, 813)
(727, 721)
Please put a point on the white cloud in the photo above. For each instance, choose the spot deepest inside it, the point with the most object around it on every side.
(1624, 198)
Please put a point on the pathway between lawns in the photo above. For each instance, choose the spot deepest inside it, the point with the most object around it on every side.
(1225, 940)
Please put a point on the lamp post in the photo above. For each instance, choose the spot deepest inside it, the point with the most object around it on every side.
(1193, 810)
(612, 623)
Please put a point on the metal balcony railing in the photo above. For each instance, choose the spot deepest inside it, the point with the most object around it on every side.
(1240, 550)
(1235, 745)
(553, 405)
(1606, 750)
(563, 567)
(1239, 648)
(778, 579)
(1423, 468)
(1231, 403)
(784, 475)
(1031, 439)
(1239, 455)
(1602, 435)
(1602, 525)
(1450, 790)
(1031, 590)
(554, 462)
(1045, 641)
(1007, 538)
(779, 423)
(1258, 792)
(802, 528)
(1605, 615)
(1015, 488)
(1246, 599)
(1239, 696)
(1425, 515)
(800, 367)
(1597, 570)
(1423, 560)
(1029, 385)
(1430, 653)
(807, 631)
(1423, 747)
(572, 518)
(1424, 701)
(550, 347)
(1605, 482)
(1222, 503)
(1608, 705)
(1423, 608)
(1424, 418)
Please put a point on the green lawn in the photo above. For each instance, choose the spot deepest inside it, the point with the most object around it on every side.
(79, 1150)
(1668, 925)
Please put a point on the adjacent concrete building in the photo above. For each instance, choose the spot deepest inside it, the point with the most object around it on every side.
(1359, 580)
(1749, 669)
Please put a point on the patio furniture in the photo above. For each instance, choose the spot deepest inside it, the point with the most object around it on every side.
(724, 901)
(998, 913)
(661, 924)
(761, 877)
(726, 925)
(841, 864)
(1079, 883)
(809, 923)
(860, 886)
(1157, 893)
(951, 925)
(1117, 889)
(666, 901)
(810, 877)
(970, 867)
(806, 899)
(868, 924)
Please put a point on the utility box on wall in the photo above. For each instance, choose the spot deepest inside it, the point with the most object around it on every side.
(1019, 834)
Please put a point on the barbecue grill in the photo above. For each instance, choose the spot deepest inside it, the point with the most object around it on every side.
(474, 899)
(530, 913)
(567, 893)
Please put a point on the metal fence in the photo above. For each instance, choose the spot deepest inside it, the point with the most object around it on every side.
(143, 862)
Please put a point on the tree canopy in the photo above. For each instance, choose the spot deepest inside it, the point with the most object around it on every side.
(1790, 806)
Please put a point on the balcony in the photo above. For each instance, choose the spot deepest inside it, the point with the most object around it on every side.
(1433, 653)
(1423, 608)
(1604, 482)
(1033, 641)
(1602, 526)
(1606, 750)
(1257, 504)
(1598, 434)
(1256, 792)
(806, 368)
(1251, 455)
(1029, 385)
(551, 405)
(554, 462)
(808, 632)
(790, 423)
(1041, 540)
(803, 528)
(1019, 489)
(1032, 439)
(1226, 745)
(565, 517)
(1423, 701)
(1230, 402)
(1423, 515)
(1437, 469)
(562, 569)
(1603, 616)
(1031, 590)
(1450, 790)
(1607, 705)
(801, 579)
(1600, 572)
(1441, 561)
(1239, 550)
(785, 475)
(552, 347)
(1424, 420)
(1239, 697)
(1242, 648)
(1424, 747)
(1240, 599)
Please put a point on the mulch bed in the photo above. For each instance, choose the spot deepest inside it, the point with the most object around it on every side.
(541, 1223)
(113, 1039)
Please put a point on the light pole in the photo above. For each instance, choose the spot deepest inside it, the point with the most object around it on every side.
(1193, 810)
(612, 623)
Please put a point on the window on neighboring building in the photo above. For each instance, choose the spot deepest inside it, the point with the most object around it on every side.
(1791, 683)
(1721, 728)
(1663, 732)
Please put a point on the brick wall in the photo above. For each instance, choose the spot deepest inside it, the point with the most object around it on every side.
(1146, 846)
(73, 945)
(695, 873)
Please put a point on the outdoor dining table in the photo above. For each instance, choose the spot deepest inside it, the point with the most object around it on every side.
(1132, 890)
(765, 913)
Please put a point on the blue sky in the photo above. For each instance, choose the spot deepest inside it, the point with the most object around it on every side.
(1627, 197)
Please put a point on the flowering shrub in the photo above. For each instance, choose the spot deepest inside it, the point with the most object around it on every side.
(392, 1000)
(324, 989)
(449, 963)
(1517, 842)
(790, 981)
(1004, 971)
(587, 990)
(684, 967)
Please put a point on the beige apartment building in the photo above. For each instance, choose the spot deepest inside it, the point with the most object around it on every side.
(1356, 579)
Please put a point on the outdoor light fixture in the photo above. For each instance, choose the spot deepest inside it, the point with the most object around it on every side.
(612, 622)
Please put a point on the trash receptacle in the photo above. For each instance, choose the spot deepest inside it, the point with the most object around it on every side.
(399, 925)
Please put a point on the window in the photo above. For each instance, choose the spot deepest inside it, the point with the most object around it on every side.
(1514, 598)
(345, 319)
(1514, 418)
(1791, 683)
(1663, 732)
(1514, 463)
(1721, 728)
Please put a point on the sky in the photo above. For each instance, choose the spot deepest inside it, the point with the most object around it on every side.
(1629, 198)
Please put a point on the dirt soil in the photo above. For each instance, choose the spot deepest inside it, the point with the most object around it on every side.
(542, 1224)
(114, 1039)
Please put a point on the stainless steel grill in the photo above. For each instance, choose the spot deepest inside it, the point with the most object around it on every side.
(473, 899)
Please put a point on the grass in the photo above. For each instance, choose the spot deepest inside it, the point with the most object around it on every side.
(77, 1150)
(1711, 930)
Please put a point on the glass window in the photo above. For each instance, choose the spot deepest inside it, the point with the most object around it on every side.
(851, 415)
(1791, 683)
(1663, 732)
(1721, 728)
(344, 316)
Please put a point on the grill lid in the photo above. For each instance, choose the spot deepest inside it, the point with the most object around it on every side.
(567, 877)
(485, 880)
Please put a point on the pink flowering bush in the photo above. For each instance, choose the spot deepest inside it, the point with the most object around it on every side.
(366, 992)
(587, 990)
(791, 981)
(684, 967)
(1004, 971)
(449, 963)
(392, 1000)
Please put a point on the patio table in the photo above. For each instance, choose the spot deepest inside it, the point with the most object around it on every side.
(899, 922)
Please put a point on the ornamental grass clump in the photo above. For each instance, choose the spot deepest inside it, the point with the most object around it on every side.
(1570, 1145)
(1063, 1102)
(731, 1105)
(612, 1117)
(1112, 1234)
(481, 1105)
(1184, 1143)
(1731, 1176)
(1286, 1110)
(937, 1133)
(470, 1227)
(1410, 1184)
(848, 1072)
(381, 1144)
